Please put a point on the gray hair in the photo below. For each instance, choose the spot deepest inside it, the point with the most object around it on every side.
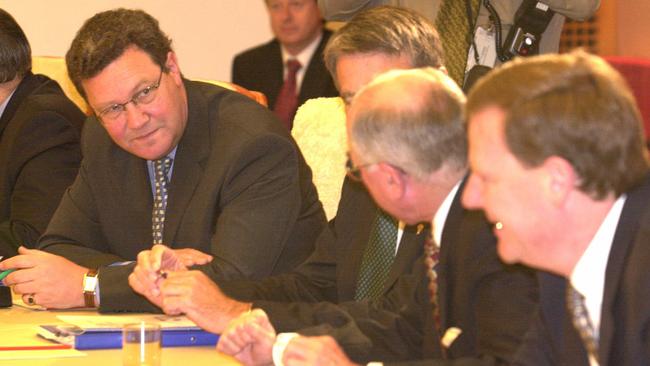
(420, 133)
(387, 30)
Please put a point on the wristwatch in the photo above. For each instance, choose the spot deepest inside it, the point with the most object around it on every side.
(90, 287)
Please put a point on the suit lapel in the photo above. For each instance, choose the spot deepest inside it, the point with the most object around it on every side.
(315, 76)
(275, 73)
(192, 152)
(448, 242)
(628, 226)
(26, 86)
(136, 188)
(410, 246)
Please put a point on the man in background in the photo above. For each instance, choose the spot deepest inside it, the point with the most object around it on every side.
(40, 130)
(289, 69)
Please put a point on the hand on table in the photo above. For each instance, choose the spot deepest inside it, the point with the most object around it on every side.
(47, 279)
(146, 276)
(194, 294)
(249, 338)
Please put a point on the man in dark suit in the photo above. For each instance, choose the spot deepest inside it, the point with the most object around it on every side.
(331, 273)
(40, 130)
(413, 165)
(299, 35)
(559, 162)
(237, 185)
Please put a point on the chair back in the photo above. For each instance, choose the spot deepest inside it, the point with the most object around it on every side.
(319, 131)
(55, 68)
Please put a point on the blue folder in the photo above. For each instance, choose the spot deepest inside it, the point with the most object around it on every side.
(112, 338)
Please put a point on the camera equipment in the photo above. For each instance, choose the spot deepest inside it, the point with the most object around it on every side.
(531, 20)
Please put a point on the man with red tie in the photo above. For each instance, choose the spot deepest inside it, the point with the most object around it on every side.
(289, 69)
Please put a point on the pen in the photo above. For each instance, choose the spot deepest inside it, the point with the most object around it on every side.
(4, 274)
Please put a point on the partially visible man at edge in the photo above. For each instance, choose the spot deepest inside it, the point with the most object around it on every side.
(40, 130)
(231, 191)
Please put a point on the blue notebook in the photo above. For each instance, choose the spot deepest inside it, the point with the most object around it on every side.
(112, 338)
(105, 331)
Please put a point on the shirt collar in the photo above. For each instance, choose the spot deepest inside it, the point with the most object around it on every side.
(440, 217)
(305, 55)
(588, 276)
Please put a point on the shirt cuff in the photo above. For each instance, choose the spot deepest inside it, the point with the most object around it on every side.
(280, 345)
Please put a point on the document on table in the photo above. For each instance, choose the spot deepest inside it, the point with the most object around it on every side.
(24, 344)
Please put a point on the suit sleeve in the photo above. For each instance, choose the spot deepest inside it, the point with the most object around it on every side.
(314, 280)
(47, 150)
(261, 202)
(388, 329)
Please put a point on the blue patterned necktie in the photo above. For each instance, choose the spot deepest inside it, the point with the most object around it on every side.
(161, 170)
(377, 258)
(582, 321)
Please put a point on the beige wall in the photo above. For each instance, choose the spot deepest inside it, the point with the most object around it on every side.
(206, 34)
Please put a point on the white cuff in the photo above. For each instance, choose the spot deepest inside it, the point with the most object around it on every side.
(281, 342)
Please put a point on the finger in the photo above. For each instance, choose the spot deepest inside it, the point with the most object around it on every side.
(19, 262)
(25, 250)
(143, 260)
(158, 251)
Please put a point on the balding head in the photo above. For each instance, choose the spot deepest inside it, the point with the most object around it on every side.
(412, 119)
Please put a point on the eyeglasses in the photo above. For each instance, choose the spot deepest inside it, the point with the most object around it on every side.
(352, 171)
(145, 96)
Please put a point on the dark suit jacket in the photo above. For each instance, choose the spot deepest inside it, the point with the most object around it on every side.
(491, 302)
(261, 69)
(331, 272)
(625, 316)
(39, 158)
(240, 190)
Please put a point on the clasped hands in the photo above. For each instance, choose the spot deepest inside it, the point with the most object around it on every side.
(162, 275)
(250, 338)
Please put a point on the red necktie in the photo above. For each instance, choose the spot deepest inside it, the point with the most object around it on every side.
(287, 102)
(432, 252)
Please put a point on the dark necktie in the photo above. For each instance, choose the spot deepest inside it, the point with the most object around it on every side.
(161, 171)
(456, 34)
(287, 102)
(432, 257)
(582, 321)
(377, 257)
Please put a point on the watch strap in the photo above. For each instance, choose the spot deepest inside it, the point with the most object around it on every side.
(89, 296)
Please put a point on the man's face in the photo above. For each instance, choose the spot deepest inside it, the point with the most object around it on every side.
(356, 70)
(295, 23)
(149, 131)
(513, 196)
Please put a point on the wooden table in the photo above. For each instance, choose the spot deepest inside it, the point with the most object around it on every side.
(20, 322)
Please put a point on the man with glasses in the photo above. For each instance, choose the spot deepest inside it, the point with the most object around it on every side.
(207, 172)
